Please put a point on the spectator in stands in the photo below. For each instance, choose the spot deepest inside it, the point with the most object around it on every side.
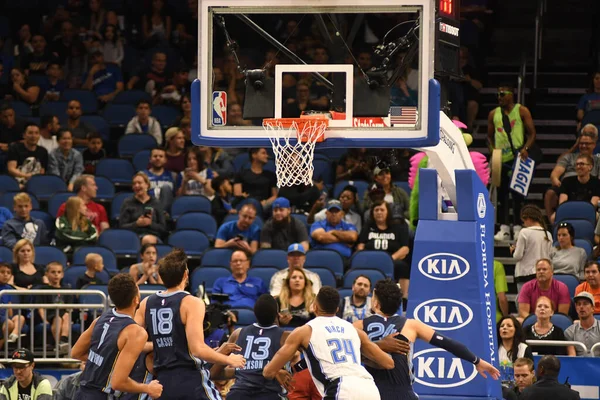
(543, 285)
(218, 160)
(172, 93)
(243, 234)
(161, 180)
(511, 345)
(85, 188)
(5, 215)
(53, 85)
(93, 153)
(142, 213)
(401, 95)
(235, 115)
(544, 329)
(349, 202)
(104, 79)
(547, 385)
(296, 258)
(74, 229)
(500, 287)
(587, 329)
(68, 385)
(588, 107)
(358, 306)
(175, 145)
(156, 25)
(221, 202)
(534, 242)
(155, 77)
(67, 47)
(566, 257)
(582, 187)
(524, 374)
(143, 123)
(243, 290)
(112, 45)
(93, 265)
(334, 233)
(591, 284)
(295, 300)
(393, 195)
(25, 381)
(26, 158)
(186, 127)
(148, 239)
(11, 126)
(256, 182)
(65, 161)
(23, 226)
(48, 130)
(353, 166)
(58, 320)
(25, 273)
(78, 128)
(147, 270)
(15, 322)
(392, 236)
(185, 106)
(295, 106)
(22, 89)
(37, 62)
(196, 178)
(282, 229)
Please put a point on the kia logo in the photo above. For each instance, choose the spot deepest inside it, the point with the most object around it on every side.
(443, 314)
(444, 266)
(439, 369)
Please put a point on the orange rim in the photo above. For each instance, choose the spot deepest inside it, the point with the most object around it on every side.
(301, 123)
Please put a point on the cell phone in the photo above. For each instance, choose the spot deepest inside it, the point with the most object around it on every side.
(285, 311)
(148, 212)
(240, 237)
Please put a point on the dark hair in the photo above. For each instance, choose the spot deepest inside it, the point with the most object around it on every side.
(533, 212)
(587, 158)
(143, 101)
(328, 299)
(159, 149)
(94, 135)
(122, 289)
(61, 132)
(266, 309)
(47, 120)
(590, 264)
(5, 107)
(550, 365)
(28, 124)
(253, 151)
(388, 219)
(362, 276)
(6, 265)
(116, 31)
(217, 182)
(172, 267)
(246, 253)
(513, 352)
(388, 295)
(570, 229)
(591, 88)
(146, 247)
(200, 157)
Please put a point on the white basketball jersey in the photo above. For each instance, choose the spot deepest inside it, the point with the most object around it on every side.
(333, 353)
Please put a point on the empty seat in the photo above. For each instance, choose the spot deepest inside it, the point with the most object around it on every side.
(99, 124)
(8, 184)
(373, 259)
(200, 221)
(132, 97)
(47, 254)
(264, 273)
(108, 256)
(44, 186)
(185, 204)
(119, 172)
(141, 159)
(208, 275)
(270, 258)
(327, 277)
(193, 242)
(21, 108)
(329, 259)
(56, 201)
(124, 243)
(216, 258)
(119, 115)
(130, 144)
(166, 115)
(106, 189)
(576, 210)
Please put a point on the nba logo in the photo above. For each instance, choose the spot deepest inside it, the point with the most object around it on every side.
(219, 114)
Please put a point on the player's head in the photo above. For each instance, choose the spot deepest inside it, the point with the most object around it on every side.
(123, 291)
(387, 297)
(173, 269)
(328, 301)
(266, 310)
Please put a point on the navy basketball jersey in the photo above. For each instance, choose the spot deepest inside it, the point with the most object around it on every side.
(104, 351)
(377, 327)
(259, 345)
(140, 374)
(167, 332)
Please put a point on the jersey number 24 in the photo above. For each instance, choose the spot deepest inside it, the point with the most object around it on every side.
(341, 350)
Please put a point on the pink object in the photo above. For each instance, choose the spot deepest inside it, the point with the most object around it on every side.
(459, 124)
(479, 161)
(414, 168)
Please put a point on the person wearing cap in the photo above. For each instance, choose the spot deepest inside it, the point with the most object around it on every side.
(104, 79)
(334, 233)
(349, 200)
(243, 234)
(587, 329)
(591, 284)
(25, 383)
(295, 258)
(282, 229)
(392, 194)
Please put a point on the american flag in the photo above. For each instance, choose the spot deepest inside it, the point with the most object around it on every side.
(403, 115)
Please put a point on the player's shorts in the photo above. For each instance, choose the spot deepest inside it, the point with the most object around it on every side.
(91, 394)
(249, 395)
(397, 392)
(187, 384)
(352, 388)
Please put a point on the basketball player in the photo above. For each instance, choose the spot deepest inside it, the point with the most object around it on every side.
(140, 373)
(332, 348)
(258, 343)
(112, 345)
(396, 383)
(174, 320)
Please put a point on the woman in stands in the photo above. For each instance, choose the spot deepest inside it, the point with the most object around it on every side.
(175, 148)
(511, 345)
(588, 110)
(112, 46)
(566, 257)
(26, 274)
(196, 178)
(543, 329)
(146, 271)
(74, 229)
(141, 213)
(295, 300)
(156, 24)
(20, 89)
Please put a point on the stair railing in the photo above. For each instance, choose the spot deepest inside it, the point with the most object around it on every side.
(542, 7)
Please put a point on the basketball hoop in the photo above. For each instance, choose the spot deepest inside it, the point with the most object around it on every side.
(293, 141)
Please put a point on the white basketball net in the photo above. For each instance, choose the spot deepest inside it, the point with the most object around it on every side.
(294, 158)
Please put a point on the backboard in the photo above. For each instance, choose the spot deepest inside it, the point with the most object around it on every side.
(367, 65)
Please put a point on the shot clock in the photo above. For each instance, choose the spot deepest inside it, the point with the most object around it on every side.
(448, 38)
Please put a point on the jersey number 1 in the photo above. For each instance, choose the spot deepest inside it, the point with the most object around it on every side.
(341, 349)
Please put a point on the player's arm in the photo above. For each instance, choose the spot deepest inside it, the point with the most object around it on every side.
(140, 319)
(287, 351)
(81, 349)
(131, 343)
(218, 371)
(373, 352)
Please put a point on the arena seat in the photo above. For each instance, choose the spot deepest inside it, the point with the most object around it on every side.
(141, 159)
(119, 172)
(404, 186)
(327, 277)
(576, 210)
(8, 184)
(269, 258)
(193, 242)
(216, 258)
(56, 108)
(56, 201)
(117, 202)
(264, 273)
(48, 219)
(44, 186)
(570, 280)
(129, 145)
(21, 109)
(245, 317)
(93, 298)
(6, 254)
(200, 221)
(106, 189)
(75, 271)
(108, 256)
(132, 97)
(47, 254)
(166, 115)
(373, 259)
(124, 243)
(99, 124)
(194, 203)
(150, 288)
(119, 115)
(208, 275)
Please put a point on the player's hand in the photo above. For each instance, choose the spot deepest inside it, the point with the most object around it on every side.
(154, 389)
(285, 379)
(236, 361)
(228, 348)
(390, 344)
(483, 367)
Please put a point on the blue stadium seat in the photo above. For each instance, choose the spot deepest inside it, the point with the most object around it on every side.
(200, 221)
(106, 189)
(193, 242)
(239, 161)
(108, 256)
(130, 144)
(216, 258)
(8, 184)
(561, 320)
(49, 221)
(44, 186)
(324, 171)
(269, 258)
(87, 98)
(529, 320)
(47, 254)
(99, 124)
(597, 316)
(373, 259)
(208, 275)
(141, 159)
(7, 200)
(166, 115)
(245, 317)
(264, 273)
(184, 204)
(234, 217)
(75, 271)
(404, 186)
(583, 229)
(576, 210)
(304, 219)
(21, 108)
(132, 97)
(115, 205)
(584, 244)
(344, 292)
(361, 187)
(119, 115)
(57, 108)
(120, 172)
(6, 255)
(56, 201)
(269, 166)
(327, 277)
(329, 259)
(161, 251)
(570, 280)
(373, 274)
(124, 243)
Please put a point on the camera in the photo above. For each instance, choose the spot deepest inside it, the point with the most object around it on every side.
(217, 313)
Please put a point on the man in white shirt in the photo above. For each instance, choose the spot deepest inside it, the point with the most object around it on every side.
(48, 130)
